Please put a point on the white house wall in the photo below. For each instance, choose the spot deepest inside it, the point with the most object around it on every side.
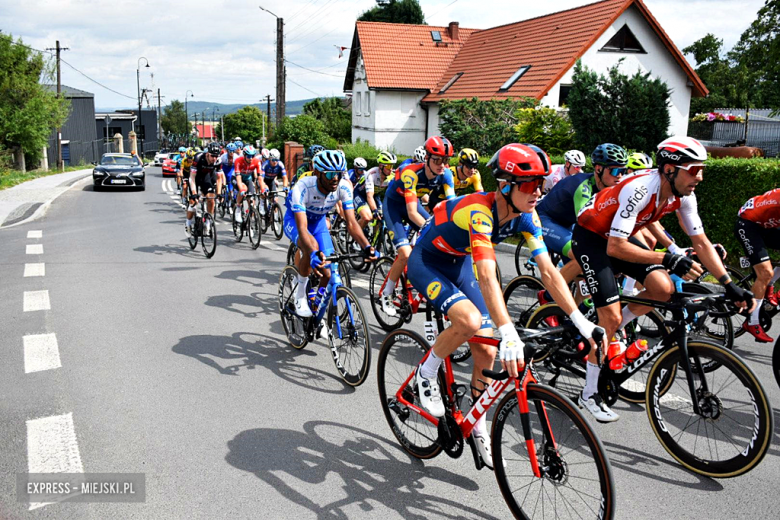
(400, 121)
(658, 61)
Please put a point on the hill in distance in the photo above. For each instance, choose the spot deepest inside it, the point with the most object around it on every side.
(292, 108)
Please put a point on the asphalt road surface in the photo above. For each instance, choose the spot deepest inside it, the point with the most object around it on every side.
(127, 352)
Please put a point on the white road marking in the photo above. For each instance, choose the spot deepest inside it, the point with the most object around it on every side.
(34, 270)
(175, 197)
(637, 386)
(34, 249)
(272, 246)
(36, 301)
(35, 234)
(41, 352)
(360, 282)
(52, 447)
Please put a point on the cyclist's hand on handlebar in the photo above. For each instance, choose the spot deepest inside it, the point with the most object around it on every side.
(593, 333)
(742, 298)
(682, 266)
(370, 254)
(317, 259)
(510, 350)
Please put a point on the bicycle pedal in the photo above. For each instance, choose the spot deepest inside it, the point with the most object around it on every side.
(478, 462)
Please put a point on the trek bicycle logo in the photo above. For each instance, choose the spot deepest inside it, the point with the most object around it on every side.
(607, 203)
(485, 401)
(656, 400)
(640, 192)
(590, 274)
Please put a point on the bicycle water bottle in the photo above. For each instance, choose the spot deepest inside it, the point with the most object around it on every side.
(318, 297)
(635, 350)
(615, 354)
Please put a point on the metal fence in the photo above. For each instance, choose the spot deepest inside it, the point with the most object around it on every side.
(763, 131)
(87, 152)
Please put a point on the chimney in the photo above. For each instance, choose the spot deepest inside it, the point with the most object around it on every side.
(453, 30)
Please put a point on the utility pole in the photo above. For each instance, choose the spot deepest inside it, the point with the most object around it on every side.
(281, 73)
(60, 163)
(159, 117)
(222, 127)
(268, 100)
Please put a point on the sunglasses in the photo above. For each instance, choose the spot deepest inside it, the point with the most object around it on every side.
(530, 186)
(617, 172)
(435, 159)
(693, 168)
(332, 175)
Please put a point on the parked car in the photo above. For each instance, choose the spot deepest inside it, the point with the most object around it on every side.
(119, 169)
(169, 165)
(159, 157)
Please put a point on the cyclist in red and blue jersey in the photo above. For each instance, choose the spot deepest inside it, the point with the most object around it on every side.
(468, 226)
(273, 169)
(418, 157)
(401, 205)
(227, 164)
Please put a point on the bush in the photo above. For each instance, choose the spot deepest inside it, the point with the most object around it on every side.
(546, 128)
(305, 130)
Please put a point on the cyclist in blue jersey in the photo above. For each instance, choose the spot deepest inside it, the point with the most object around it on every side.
(226, 163)
(273, 169)
(179, 175)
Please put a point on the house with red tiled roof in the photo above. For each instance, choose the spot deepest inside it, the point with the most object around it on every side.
(399, 73)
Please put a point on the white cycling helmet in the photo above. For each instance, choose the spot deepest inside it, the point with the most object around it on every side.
(680, 150)
(360, 163)
(265, 153)
(420, 154)
(274, 154)
(575, 157)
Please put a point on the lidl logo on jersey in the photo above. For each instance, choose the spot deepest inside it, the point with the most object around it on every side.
(481, 222)
(408, 181)
(433, 290)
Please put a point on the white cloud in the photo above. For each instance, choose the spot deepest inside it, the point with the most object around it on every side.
(224, 51)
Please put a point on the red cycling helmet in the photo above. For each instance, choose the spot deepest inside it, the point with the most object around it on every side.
(438, 145)
(542, 155)
(517, 162)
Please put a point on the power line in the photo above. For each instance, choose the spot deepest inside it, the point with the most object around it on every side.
(309, 31)
(312, 16)
(97, 82)
(304, 88)
(299, 11)
(312, 70)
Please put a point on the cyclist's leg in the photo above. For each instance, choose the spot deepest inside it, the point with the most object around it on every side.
(395, 217)
(754, 240)
(658, 286)
(220, 183)
(364, 215)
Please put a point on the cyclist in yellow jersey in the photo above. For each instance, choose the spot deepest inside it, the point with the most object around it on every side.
(184, 171)
(466, 174)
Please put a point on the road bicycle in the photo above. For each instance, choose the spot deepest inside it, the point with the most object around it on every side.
(226, 203)
(344, 266)
(526, 265)
(203, 228)
(378, 237)
(706, 407)
(250, 223)
(407, 301)
(552, 463)
(271, 213)
(338, 315)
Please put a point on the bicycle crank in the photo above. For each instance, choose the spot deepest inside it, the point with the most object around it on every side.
(450, 436)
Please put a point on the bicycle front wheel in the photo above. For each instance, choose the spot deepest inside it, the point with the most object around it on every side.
(222, 205)
(731, 433)
(376, 281)
(524, 265)
(277, 225)
(253, 228)
(294, 325)
(197, 226)
(209, 237)
(521, 299)
(348, 337)
(576, 480)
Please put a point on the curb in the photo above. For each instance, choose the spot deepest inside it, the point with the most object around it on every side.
(35, 210)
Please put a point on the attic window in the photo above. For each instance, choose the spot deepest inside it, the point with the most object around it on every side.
(623, 41)
(516, 76)
(436, 36)
(452, 80)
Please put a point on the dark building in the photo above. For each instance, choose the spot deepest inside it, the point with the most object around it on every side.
(79, 144)
(123, 121)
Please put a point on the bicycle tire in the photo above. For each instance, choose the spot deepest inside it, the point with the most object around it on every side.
(209, 240)
(353, 247)
(197, 224)
(566, 422)
(265, 218)
(223, 203)
(355, 338)
(277, 224)
(520, 296)
(294, 326)
(238, 229)
(755, 436)
(522, 266)
(378, 276)
(776, 361)
(400, 354)
(291, 250)
(253, 228)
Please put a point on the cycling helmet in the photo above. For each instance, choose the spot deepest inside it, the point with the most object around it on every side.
(182, 149)
(265, 153)
(609, 154)
(213, 149)
(542, 157)
(191, 153)
(236, 139)
(360, 163)
(274, 154)
(438, 145)
(679, 150)
(386, 158)
(232, 148)
(639, 161)
(330, 161)
(420, 154)
(469, 157)
(314, 150)
(517, 162)
(250, 152)
(575, 157)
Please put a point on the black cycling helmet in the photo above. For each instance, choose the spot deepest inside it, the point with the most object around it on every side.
(213, 149)
(609, 154)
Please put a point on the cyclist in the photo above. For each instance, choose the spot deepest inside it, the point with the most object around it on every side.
(757, 230)
(604, 244)
(418, 157)
(574, 160)
(247, 170)
(366, 202)
(227, 164)
(203, 179)
(183, 175)
(179, 158)
(308, 156)
(308, 203)
(273, 169)
(638, 162)
(466, 228)
(466, 174)
(401, 205)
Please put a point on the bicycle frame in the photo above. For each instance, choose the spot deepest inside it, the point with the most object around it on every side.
(414, 300)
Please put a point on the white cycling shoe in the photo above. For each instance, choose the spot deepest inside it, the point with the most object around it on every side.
(302, 308)
(430, 394)
(598, 408)
(387, 304)
(483, 448)
(237, 213)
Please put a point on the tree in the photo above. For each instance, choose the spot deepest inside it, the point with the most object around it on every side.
(247, 123)
(546, 128)
(303, 129)
(336, 118)
(630, 111)
(758, 52)
(395, 11)
(28, 109)
(485, 126)
(174, 120)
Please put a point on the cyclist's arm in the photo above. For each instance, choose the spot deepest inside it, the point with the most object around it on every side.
(582, 195)
(491, 290)
(709, 256)
(262, 184)
(409, 180)
(663, 239)
(449, 184)
(477, 182)
(554, 283)
(370, 192)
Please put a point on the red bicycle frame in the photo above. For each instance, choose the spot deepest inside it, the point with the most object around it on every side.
(414, 300)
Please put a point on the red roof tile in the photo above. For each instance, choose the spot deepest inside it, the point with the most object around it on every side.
(205, 132)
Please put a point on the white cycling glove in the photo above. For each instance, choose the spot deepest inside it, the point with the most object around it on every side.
(511, 347)
(585, 327)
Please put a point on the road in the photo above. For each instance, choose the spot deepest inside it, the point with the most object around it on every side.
(133, 354)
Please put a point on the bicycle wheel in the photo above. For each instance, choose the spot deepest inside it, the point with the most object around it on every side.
(264, 217)
(732, 433)
(276, 221)
(222, 205)
(292, 249)
(353, 247)
(524, 265)
(717, 329)
(208, 238)
(776, 361)
(238, 229)
(375, 283)
(577, 481)
(294, 325)
(197, 226)
(521, 298)
(348, 337)
(253, 228)
(401, 352)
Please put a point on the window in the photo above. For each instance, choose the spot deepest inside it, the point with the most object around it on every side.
(516, 76)
(357, 104)
(367, 104)
(452, 80)
(623, 41)
(436, 36)
(563, 96)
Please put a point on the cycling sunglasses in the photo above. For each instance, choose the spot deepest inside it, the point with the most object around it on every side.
(333, 175)
(617, 172)
(693, 168)
(530, 186)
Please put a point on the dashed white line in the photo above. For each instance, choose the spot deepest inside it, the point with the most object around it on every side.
(359, 282)
(36, 301)
(35, 234)
(175, 197)
(34, 249)
(34, 270)
(41, 352)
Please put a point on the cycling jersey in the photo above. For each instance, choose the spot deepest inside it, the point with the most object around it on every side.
(763, 210)
(301, 175)
(227, 163)
(404, 164)
(624, 209)
(272, 172)
(205, 174)
(178, 159)
(557, 174)
(186, 163)
(474, 180)
(248, 171)
(369, 182)
(305, 197)
(413, 181)
(567, 198)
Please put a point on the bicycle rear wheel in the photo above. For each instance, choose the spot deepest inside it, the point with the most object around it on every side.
(222, 205)
(294, 325)
(776, 361)
(577, 481)
(732, 433)
(276, 221)
(524, 265)
(401, 352)
(238, 229)
(197, 226)
(208, 238)
(375, 282)
(253, 228)
(348, 338)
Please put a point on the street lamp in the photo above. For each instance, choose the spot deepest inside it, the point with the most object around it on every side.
(187, 114)
(215, 119)
(140, 122)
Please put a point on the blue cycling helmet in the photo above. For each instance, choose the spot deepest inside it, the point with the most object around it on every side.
(232, 147)
(330, 161)
(609, 154)
(249, 152)
(240, 145)
(182, 149)
(314, 150)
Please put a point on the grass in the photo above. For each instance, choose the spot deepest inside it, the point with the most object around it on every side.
(10, 178)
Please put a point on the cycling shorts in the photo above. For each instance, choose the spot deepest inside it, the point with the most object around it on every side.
(318, 229)
(396, 216)
(755, 239)
(205, 186)
(599, 269)
(250, 185)
(446, 280)
(557, 238)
